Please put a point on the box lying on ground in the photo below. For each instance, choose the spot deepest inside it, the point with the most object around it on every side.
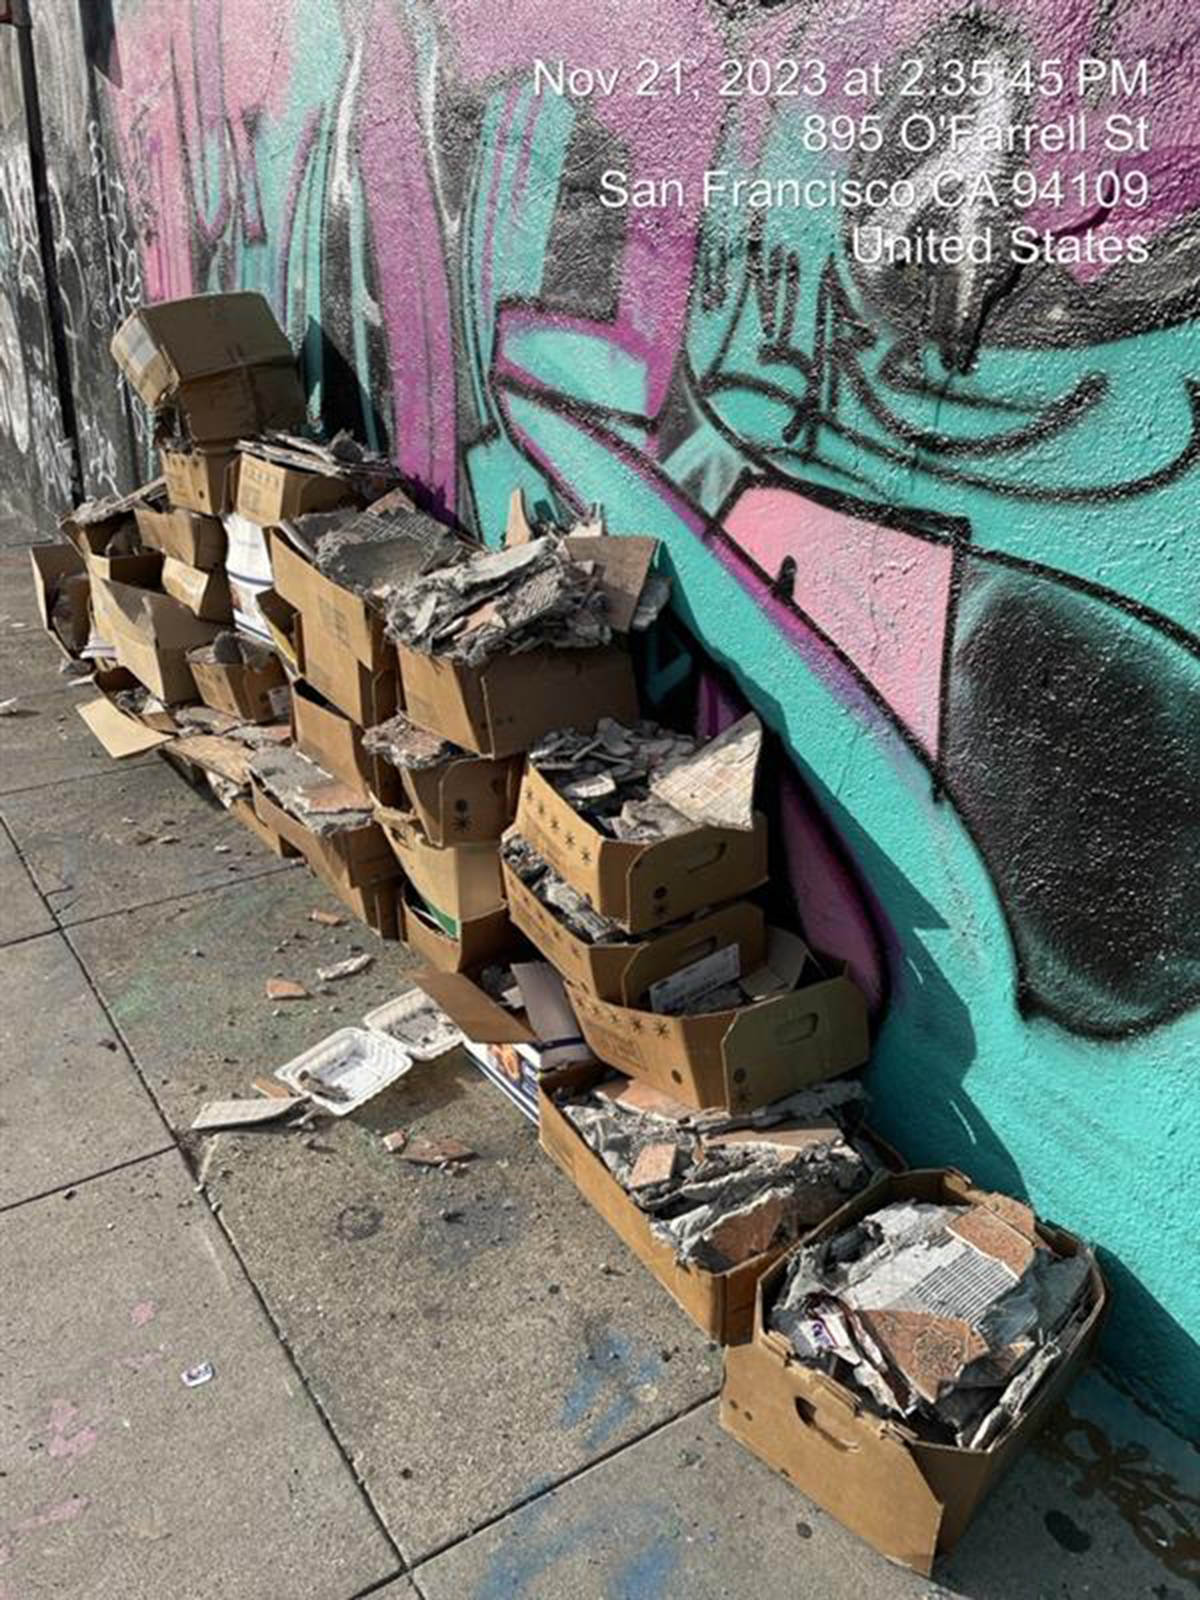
(478, 943)
(334, 742)
(239, 688)
(504, 707)
(355, 864)
(184, 535)
(614, 971)
(466, 800)
(910, 1498)
(61, 587)
(740, 1059)
(462, 882)
(205, 594)
(270, 493)
(152, 634)
(200, 480)
(221, 360)
(641, 886)
(721, 1303)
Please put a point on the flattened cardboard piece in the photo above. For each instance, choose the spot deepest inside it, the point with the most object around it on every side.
(200, 480)
(184, 535)
(471, 1010)
(57, 570)
(237, 689)
(120, 735)
(340, 614)
(162, 346)
(335, 743)
(503, 708)
(357, 858)
(205, 594)
(478, 944)
(462, 881)
(624, 561)
(270, 493)
(281, 619)
(227, 758)
(910, 1499)
(736, 1060)
(641, 886)
(151, 634)
(467, 800)
(613, 971)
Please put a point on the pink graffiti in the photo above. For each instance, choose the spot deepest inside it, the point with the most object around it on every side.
(880, 596)
(68, 1442)
(145, 1311)
(55, 1515)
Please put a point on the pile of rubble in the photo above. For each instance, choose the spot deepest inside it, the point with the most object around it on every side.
(451, 738)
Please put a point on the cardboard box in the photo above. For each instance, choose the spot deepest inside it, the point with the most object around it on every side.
(245, 813)
(349, 864)
(143, 570)
(221, 359)
(152, 634)
(736, 1060)
(503, 708)
(478, 944)
(92, 526)
(184, 535)
(335, 743)
(238, 689)
(720, 1303)
(366, 695)
(282, 623)
(205, 594)
(270, 493)
(910, 1499)
(641, 886)
(60, 573)
(200, 480)
(613, 971)
(459, 883)
(467, 800)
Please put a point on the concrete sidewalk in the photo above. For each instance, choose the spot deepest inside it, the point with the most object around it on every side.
(455, 1386)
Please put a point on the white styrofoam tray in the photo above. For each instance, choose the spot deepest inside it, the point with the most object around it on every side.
(354, 1060)
(441, 1037)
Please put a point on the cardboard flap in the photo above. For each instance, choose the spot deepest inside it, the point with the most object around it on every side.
(120, 735)
(624, 562)
(742, 924)
(172, 625)
(849, 1463)
(469, 1008)
(51, 564)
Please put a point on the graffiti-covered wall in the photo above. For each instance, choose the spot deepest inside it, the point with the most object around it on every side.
(933, 511)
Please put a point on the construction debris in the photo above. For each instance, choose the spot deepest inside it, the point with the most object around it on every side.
(285, 989)
(240, 1113)
(568, 905)
(350, 968)
(722, 1189)
(948, 1317)
(436, 1152)
(347, 1069)
(322, 803)
(380, 552)
(405, 746)
(327, 919)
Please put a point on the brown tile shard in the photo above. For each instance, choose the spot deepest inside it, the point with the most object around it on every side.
(285, 989)
(634, 1095)
(396, 1140)
(327, 919)
(746, 1234)
(436, 1152)
(655, 1164)
(994, 1236)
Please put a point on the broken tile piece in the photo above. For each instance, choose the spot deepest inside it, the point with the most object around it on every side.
(328, 919)
(349, 968)
(655, 1164)
(716, 785)
(436, 1152)
(240, 1113)
(285, 989)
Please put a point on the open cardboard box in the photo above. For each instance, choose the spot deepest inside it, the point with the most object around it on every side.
(184, 535)
(462, 881)
(736, 1060)
(270, 492)
(221, 359)
(720, 1303)
(641, 886)
(335, 743)
(910, 1499)
(282, 622)
(201, 480)
(501, 1042)
(152, 634)
(205, 594)
(466, 800)
(350, 864)
(478, 942)
(612, 971)
(238, 689)
(59, 570)
(504, 707)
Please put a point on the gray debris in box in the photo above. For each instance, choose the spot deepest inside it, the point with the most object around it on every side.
(402, 744)
(722, 1189)
(567, 903)
(307, 792)
(381, 551)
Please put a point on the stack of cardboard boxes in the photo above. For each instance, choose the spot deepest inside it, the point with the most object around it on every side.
(213, 632)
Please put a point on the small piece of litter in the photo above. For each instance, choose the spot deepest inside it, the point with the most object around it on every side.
(273, 1089)
(286, 989)
(345, 969)
(395, 1141)
(195, 1376)
(240, 1113)
(9, 708)
(327, 919)
(436, 1152)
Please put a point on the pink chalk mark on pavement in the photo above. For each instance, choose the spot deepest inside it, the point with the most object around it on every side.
(145, 1311)
(65, 1445)
(880, 596)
